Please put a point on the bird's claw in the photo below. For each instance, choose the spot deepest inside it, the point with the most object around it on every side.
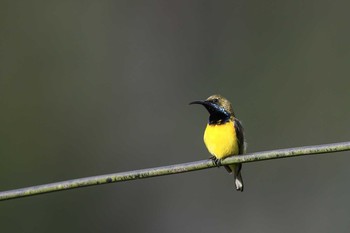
(216, 161)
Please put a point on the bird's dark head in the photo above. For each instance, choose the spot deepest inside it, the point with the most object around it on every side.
(219, 108)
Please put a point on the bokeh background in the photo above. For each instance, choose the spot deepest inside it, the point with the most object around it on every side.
(96, 87)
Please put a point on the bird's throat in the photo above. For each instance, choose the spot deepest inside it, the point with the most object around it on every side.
(218, 118)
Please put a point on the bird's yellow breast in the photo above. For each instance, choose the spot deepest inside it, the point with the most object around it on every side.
(221, 140)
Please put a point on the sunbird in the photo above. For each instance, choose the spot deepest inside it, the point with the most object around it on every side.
(224, 134)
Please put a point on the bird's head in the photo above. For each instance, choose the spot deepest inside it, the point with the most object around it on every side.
(219, 108)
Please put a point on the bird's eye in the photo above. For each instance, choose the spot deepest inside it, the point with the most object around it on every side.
(215, 101)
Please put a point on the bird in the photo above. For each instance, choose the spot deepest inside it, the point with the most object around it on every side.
(224, 134)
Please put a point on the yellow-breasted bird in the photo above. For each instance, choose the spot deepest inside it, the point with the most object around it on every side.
(224, 135)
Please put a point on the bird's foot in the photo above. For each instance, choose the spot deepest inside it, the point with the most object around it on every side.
(216, 161)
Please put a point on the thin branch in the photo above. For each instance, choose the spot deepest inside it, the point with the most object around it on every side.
(172, 169)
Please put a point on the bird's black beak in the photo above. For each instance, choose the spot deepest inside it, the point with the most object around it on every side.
(213, 108)
(210, 106)
(199, 102)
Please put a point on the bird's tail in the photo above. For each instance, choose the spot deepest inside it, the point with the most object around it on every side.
(236, 170)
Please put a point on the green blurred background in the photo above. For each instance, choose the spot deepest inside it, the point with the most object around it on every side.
(96, 87)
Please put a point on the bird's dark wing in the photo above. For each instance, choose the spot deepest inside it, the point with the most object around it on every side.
(240, 136)
(241, 147)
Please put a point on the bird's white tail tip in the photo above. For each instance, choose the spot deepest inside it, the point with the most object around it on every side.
(239, 184)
